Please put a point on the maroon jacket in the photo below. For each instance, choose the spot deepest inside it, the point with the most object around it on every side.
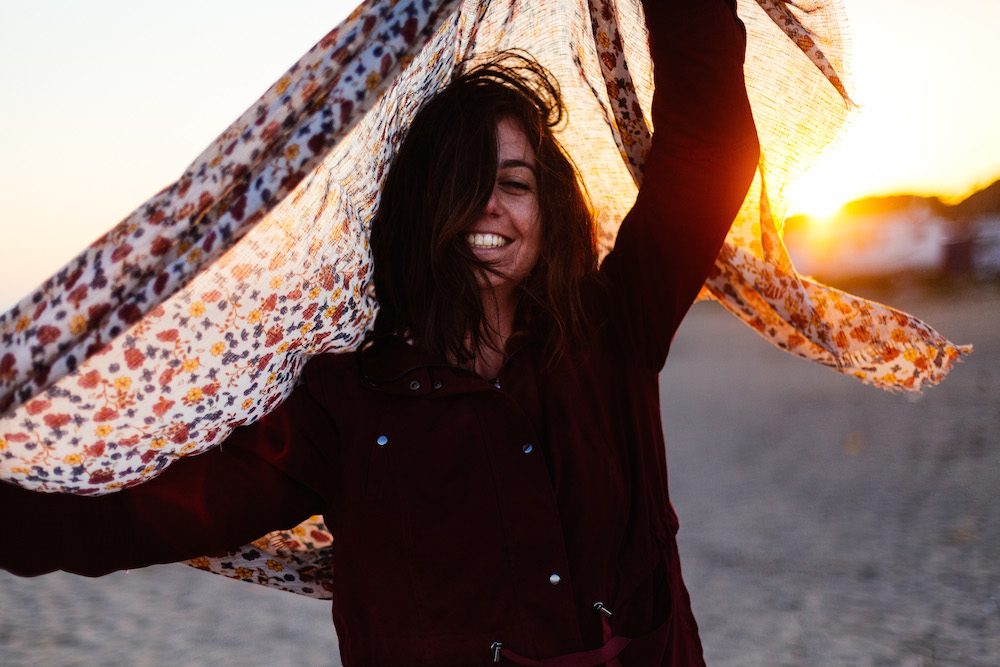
(465, 512)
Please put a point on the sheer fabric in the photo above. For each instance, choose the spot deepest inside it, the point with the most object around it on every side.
(195, 314)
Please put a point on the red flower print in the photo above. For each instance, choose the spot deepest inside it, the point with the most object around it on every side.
(177, 432)
(166, 376)
(47, 334)
(96, 313)
(274, 334)
(130, 314)
(327, 278)
(159, 246)
(90, 380)
(168, 336)
(77, 295)
(7, 366)
(134, 358)
(162, 406)
(37, 406)
(262, 364)
(101, 477)
(105, 414)
(94, 450)
(319, 536)
(57, 421)
(120, 253)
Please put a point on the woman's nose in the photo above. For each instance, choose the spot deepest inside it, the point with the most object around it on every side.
(493, 203)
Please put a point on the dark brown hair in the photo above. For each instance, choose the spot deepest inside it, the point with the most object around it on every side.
(437, 185)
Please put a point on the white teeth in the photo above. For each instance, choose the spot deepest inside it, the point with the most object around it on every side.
(485, 240)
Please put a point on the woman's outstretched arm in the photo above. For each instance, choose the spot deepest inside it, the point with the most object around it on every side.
(263, 477)
(703, 157)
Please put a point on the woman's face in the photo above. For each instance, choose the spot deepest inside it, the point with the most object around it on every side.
(508, 232)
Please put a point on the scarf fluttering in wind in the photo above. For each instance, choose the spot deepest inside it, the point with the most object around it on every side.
(195, 314)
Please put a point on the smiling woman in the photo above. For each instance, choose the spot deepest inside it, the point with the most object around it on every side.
(486, 224)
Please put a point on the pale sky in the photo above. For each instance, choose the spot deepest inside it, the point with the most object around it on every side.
(104, 103)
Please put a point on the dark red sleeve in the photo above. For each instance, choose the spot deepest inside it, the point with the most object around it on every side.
(703, 157)
(263, 477)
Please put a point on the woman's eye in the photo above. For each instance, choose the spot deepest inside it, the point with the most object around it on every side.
(515, 185)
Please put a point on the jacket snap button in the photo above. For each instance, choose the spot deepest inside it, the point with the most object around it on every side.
(526, 448)
(555, 579)
(414, 385)
(438, 384)
(381, 441)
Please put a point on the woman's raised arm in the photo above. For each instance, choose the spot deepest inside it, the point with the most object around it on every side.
(703, 157)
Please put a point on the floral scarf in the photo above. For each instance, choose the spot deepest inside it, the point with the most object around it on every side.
(196, 313)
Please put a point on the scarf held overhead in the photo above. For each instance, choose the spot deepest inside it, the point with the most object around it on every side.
(195, 314)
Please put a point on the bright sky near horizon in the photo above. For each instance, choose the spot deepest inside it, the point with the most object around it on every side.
(104, 103)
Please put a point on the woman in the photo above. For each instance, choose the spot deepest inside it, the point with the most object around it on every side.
(492, 463)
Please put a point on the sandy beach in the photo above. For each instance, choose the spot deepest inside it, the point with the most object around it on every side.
(823, 522)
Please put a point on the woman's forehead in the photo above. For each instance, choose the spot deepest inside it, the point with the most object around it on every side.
(513, 147)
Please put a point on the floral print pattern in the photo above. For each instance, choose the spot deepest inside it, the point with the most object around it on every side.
(195, 314)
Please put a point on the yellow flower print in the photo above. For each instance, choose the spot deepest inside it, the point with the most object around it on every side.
(3, 444)
(283, 348)
(78, 324)
(299, 530)
(292, 152)
(158, 443)
(217, 348)
(191, 364)
(200, 562)
(306, 328)
(314, 292)
(373, 80)
(102, 430)
(114, 485)
(194, 256)
(22, 324)
(123, 383)
(276, 282)
(193, 395)
(271, 378)
(72, 459)
(282, 85)
(197, 309)
(274, 565)
(189, 446)
(244, 572)
(247, 403)
(911, 355)
(253, 317)
(216, 161)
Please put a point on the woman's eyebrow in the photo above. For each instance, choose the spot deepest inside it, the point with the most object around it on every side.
(512, 163)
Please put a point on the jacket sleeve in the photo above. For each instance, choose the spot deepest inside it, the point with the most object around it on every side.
(263, 477)
(703, 157)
